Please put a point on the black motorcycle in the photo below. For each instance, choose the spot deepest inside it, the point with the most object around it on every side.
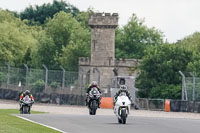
(93, 100)
(26, 104)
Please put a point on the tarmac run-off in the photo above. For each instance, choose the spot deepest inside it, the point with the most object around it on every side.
(83, 110)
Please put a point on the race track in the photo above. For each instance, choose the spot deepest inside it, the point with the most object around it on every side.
(108, 124)
(75, 119)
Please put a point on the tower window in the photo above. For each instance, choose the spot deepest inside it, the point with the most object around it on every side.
(94, 42)
(109, 60)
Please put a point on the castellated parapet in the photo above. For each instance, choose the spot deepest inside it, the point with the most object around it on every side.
(126, 62)
(103, 20)
(84, 61)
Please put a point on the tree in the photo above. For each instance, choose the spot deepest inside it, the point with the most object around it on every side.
(15, 38)
(159, 77)
(83, 18)
(41, 13)
(192, 42)
(60, 29)
(70, 38)
(45, 52)
(134, 38)
(72, 52)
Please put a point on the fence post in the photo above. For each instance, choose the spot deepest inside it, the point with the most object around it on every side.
(46, 77)
(8, 75)
(81, 82)
(193, 86)
(184, 95)
(148, 104)
(25, 65)
(163, 104)
(63, 78)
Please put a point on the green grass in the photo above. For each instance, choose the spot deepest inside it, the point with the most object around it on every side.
(13, 124)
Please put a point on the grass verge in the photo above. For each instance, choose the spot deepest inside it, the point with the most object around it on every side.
(13, 124)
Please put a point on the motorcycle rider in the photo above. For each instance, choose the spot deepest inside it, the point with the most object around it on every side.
(90, 86)
(25, 93)
(123, 88)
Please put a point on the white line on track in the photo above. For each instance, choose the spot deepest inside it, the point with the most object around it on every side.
(40, 124)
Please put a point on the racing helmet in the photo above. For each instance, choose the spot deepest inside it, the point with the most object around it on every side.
(27, 92)
(123, 87)
(94, 83)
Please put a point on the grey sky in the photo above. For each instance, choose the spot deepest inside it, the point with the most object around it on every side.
(175, 18)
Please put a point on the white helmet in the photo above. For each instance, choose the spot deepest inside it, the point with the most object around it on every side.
(94, 83)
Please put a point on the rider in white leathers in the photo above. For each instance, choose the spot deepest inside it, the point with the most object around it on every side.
(123, 88)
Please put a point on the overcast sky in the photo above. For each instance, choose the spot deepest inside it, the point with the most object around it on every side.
(175, 18)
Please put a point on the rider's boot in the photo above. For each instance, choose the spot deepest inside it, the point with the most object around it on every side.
(20, 110)
(86, 103)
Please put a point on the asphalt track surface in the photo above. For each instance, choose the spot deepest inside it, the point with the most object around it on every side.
(108, 124)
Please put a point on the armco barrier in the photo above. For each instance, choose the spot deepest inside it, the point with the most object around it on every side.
(107, 102)
(156, 104)
(9, 94)
(179, 106)
(45, 98)
(185, 106)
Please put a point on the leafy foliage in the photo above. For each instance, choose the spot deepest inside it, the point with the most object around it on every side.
(2, 78)
(192, 42)
(45, 52)
(39, 14)
(54, 85)
(159, 70)
(15, 39)
(134, 38)
(38, 86)
(71, 40)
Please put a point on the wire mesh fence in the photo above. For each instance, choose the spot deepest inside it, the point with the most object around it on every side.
(65, 87)
(40, 80)
(192, 88)
(151, 104)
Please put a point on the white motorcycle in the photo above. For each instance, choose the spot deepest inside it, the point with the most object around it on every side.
(122, 107)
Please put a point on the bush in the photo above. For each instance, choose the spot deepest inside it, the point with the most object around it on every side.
(54, 85)
(38, 86)
(166, 91)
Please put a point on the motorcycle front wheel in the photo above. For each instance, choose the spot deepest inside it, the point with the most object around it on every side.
(25, 110)
(123, 116)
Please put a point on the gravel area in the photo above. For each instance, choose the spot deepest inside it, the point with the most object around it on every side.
(82, 110)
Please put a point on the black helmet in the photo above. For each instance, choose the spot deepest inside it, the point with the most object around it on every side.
(123, 87)
(27, 92)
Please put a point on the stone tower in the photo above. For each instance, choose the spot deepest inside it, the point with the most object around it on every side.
(103, 38)
(102, 66)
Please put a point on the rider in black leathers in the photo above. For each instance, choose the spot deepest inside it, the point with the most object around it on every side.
(92, 85)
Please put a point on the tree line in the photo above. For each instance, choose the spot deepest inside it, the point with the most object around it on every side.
(57, 34)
